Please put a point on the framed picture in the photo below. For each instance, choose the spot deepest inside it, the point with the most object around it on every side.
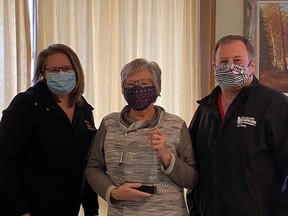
(266, 26)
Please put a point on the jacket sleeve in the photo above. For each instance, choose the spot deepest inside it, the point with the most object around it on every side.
(276, 134)
(184, 171)
(190, 196)
(14, 139)
(90, 198)
(90, 201)
(96, 168)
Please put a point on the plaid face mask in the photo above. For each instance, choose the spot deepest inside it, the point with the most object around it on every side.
(231, 75)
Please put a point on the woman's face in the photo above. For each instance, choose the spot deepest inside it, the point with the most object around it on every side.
(139, 90)
(60, 75)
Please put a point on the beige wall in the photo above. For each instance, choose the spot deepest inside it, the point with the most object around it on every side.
(229, 20)
(229, 17)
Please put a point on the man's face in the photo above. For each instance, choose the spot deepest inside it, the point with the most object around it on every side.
(234, 52)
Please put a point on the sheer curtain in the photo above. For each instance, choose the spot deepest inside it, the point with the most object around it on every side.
(15, 49)
(107, 34)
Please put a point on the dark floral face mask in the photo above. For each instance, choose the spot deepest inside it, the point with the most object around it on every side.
(139, 98)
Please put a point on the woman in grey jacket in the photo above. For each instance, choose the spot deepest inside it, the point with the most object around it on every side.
(142, 157)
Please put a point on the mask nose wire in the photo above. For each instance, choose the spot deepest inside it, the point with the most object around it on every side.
(250, 62)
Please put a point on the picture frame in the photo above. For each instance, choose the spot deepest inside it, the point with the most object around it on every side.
(266, 27)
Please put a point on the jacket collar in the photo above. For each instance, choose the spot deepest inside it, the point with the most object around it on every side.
(44, 95)
(211, 99)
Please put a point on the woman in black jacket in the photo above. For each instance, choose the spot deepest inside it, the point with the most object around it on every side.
(45, 138)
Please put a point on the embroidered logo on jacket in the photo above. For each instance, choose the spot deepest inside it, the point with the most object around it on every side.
(89, 125)
(243, 121)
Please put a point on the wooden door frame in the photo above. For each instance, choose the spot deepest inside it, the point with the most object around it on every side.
(207, 43)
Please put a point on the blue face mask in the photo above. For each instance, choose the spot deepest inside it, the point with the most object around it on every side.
(61, 83)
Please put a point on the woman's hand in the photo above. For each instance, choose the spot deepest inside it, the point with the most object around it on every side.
(157, 141)
(128, 191)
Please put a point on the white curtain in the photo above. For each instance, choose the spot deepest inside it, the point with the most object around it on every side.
(15, 51)
(106, 34)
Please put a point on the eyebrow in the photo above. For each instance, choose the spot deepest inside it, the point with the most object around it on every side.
(68, 65)
(238, 56)
(235, 57)
(140, 79)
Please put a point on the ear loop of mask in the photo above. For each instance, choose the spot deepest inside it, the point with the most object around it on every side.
(249, 63)
(43, 74)
(249, 66)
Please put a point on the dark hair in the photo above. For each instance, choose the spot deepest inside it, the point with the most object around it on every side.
(75, 95)
(138, 64)
(230, 38)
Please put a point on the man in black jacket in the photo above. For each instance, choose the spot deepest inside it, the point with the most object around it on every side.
(239, 135)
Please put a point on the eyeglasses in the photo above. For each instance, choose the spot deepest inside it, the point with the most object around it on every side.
(142, 83)
(237, 62)
(65, 68)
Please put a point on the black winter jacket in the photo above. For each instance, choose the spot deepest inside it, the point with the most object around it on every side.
(242, 161)
(43, 156)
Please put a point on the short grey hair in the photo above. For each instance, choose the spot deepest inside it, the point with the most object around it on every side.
(137, 65)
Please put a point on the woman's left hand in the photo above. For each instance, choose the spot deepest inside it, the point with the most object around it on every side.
(157, 141)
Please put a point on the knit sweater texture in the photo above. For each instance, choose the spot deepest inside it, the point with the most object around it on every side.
(128, 157)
